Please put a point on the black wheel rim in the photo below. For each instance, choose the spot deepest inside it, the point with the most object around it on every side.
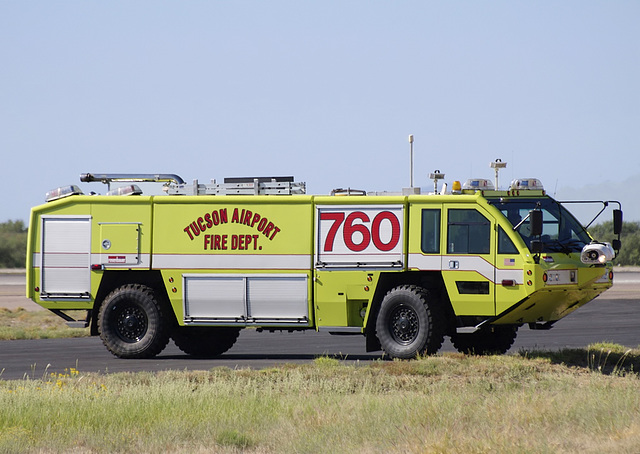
(130, 323)
(404, 325)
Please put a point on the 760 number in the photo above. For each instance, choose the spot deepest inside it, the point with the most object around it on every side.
(359, 222)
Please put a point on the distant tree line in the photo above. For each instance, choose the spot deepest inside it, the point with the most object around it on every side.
(13, 242)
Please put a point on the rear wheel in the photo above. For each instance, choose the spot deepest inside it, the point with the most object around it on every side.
(205, 342)
(497, 340)
(131, 323)
(408, 323)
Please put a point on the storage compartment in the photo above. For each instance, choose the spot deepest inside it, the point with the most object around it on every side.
(257, 299)
(66, 257)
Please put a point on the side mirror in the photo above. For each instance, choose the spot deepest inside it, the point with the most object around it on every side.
(617, 222)
(616, 245)
(536, 246)
(535, 222)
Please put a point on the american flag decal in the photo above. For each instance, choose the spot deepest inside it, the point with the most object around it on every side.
(509, 262)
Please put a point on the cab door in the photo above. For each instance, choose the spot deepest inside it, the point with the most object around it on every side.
(510, 277)
(468, 261)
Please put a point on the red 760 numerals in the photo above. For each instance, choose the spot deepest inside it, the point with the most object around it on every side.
(367, 233)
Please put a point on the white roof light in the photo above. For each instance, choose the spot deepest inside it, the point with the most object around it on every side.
(131, 189)
(526, 183)
(478, 184)
(63, 191)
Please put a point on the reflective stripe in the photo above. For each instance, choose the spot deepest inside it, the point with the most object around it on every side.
(465, 263)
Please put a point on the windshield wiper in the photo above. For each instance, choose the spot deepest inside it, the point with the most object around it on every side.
(565, 246)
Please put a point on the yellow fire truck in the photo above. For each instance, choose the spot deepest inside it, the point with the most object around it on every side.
(201, 262)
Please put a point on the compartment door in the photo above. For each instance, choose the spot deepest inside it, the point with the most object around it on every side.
(246, 299)
(120, 243)
(65, 261)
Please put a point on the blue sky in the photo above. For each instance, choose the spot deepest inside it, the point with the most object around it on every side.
(325, 91)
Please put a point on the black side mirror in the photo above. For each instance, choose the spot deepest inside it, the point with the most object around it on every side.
(617, 222)
(616, 245)
(536, 246)
(535, 222)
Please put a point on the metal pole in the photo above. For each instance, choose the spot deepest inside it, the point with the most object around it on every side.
(497, 165)
(411, 150)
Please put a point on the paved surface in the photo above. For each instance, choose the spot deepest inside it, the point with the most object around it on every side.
(12, 291)
(613, 317)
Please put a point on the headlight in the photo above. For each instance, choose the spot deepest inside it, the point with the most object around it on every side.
(597, 253)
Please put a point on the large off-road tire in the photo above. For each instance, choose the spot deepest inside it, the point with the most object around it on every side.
(205, 342)
(497, 340)
(409, 323)
(131, 323)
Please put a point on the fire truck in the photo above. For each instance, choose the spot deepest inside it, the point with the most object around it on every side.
(197, 263)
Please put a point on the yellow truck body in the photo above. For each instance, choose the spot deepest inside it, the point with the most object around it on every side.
(401, 270)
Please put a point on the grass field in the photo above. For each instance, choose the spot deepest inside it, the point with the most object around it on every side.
(448, 403)
(22, 324)
(579, 400)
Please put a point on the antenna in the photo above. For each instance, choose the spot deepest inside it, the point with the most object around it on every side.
(411, 165)
(497, 165)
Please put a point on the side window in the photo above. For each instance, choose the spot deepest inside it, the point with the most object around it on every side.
(468, 232)
(505, 245)
(430, 231)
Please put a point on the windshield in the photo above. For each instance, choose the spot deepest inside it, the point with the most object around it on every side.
(561, 231)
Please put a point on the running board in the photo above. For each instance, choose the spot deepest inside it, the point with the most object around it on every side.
(70, 321)
(470, 329)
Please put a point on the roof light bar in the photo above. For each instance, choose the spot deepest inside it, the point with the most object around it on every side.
(63, 191)
(478, 184)
(131, 189)
(526, 184)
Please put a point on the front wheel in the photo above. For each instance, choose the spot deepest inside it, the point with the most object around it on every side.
(131, 323)
(408, 324)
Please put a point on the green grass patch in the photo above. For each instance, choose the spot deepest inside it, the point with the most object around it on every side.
(22, 324)
(450, 403)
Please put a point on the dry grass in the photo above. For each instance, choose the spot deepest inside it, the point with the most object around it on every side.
(443, 404)
(574, 400)
(22, 324)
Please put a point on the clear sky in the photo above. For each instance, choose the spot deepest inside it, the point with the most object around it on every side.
(326, 91)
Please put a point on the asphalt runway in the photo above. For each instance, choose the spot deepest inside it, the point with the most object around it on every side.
(612, 317)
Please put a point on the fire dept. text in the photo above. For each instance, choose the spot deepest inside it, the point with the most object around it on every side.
(237, 243)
